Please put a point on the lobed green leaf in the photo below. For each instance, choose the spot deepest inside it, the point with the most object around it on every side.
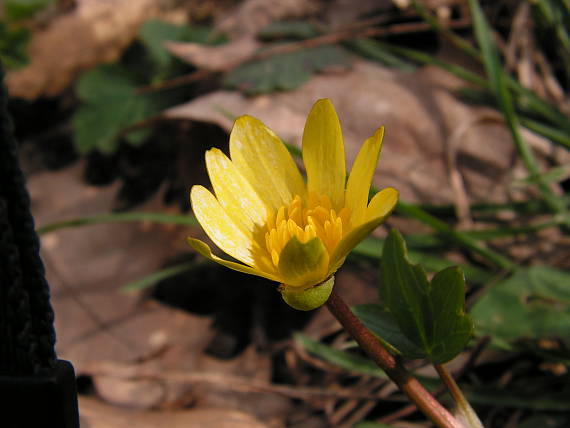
(110, 104)
(297, 30)
(154, 34)
(385, 326)
(16, 10)
(429, 316)
(13, 46)
(533, 304)
(284, 71)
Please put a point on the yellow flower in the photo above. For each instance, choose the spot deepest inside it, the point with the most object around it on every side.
(265, 216)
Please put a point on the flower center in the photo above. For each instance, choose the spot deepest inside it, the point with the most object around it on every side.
(305, 220)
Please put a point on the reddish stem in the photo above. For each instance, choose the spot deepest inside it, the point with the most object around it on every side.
(393, 368)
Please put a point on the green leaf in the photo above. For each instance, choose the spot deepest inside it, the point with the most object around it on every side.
(111, 96)
(298, 30)
(110, 104)
(532, 304)
(351, 362)
(100, 83)
(452, 327)
(16, 10)
(126, 217)
(285, 71)
(544, 399)
(13, 46)
(159, 275)
(154, 33)
(370, 48)
(384, 325)
(372, 247)
(403, 290)
(430, 315)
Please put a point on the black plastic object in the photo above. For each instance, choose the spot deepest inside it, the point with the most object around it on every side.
(48, 401)
(36, 389)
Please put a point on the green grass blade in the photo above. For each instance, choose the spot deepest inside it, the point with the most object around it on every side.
(370, 48)
(128, 217)
(557, 136)
(159, 275)
(454, 235)
(372, 248)
(534, 103)
(458, 41)
(533, 206)
(351, 362)
(500, 89)
(424, 58)
(506, 231)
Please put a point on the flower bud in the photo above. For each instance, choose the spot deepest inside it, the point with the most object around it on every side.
(307, 299)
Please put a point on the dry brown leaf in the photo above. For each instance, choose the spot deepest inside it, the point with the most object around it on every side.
(97, 324)
(85, 267)
(347, 12)
(242, 24)
(250, 366)
(420, 115)
(237, 383)
(97, 414)
(93, 32)
(215, 58)
(250, 16)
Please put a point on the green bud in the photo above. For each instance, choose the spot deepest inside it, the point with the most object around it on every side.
(307, 299)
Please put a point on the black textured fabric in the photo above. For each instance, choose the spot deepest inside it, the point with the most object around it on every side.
(27, 335)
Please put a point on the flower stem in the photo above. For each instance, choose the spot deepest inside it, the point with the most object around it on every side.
(466, 412)
(393, 368)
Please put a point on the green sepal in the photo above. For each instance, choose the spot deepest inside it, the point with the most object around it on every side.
(303, 264)
(307, 299)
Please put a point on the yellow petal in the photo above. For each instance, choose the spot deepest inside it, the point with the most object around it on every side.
(382, 204)
(350, 241)
(303, 264)
(230, 236)
(323, 153)
(204, 249)
(380, 207)
(360, 177)
(236, 195)
(265, 162)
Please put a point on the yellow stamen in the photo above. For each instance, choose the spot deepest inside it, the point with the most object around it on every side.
(305, 220)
